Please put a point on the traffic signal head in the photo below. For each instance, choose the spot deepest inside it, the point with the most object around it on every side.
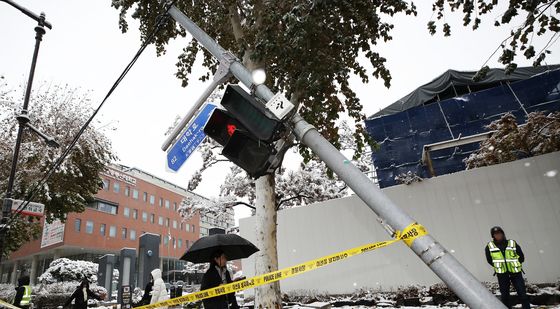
(247, 130)
(221, 126)
(251, 155)
(240, 147)
(252, 114)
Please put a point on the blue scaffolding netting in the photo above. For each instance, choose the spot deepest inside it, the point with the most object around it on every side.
(401, 136)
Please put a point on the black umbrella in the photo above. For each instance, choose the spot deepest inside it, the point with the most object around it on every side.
(233, 246)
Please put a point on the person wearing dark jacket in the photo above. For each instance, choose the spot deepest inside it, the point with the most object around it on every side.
(506, 256)
(146, 297)
(23, 293)
(81, 296)
(215, 276)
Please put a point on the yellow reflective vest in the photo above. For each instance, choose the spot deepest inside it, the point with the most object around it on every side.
(508, 263)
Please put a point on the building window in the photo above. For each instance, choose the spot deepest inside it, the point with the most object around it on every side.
(181, 226)
(174, 224)
(193, 228)
(173, 242)
(166, 221)
(175, 206)
(104, 207)
(152, 218)
(160, 202)
(145, 197)
(152, 199)
(135, 214)
(165, 240)
(127, 191)
(187, 227)
(167, 204)
(132, 235)
(102, 228)
(126, 212)
(179, 243)
(123, 234)
(186, 243)
(77, 225)
(144, 216)
(116, 187)
(106, 184)
(160, 220)
(135, 194)
(89, 227)
(113, 231)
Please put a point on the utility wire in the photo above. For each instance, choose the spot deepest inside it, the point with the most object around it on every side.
(161, 19)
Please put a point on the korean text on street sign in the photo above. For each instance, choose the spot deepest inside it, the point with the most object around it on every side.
(32, 209)
(189, 140)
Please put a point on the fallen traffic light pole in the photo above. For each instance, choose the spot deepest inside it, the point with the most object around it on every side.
(431, 252)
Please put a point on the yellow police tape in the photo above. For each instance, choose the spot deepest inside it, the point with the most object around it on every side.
(408, 235)
(7, 305)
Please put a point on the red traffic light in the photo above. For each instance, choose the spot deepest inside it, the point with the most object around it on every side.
(221, 126)
(251, 114)
(240, 146)
(231, 128)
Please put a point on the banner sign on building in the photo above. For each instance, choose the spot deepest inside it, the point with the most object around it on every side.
(53, 233)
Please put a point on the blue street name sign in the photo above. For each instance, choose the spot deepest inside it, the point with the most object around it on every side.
(189, 140)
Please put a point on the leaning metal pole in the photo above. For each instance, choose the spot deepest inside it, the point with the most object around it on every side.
(432, 253)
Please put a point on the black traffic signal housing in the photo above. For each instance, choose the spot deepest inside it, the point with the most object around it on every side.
(220, 126)
(240, 146)
(251, 114)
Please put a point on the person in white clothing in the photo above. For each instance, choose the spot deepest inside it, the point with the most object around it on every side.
(159, 291)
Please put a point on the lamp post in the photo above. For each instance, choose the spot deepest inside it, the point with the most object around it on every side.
(23, 119)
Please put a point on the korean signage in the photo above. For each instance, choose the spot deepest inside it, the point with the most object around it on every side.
(190, 139)
(31, 209)
(53, 233)
(120, 176)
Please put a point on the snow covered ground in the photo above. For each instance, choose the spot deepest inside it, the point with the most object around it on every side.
(405, 307)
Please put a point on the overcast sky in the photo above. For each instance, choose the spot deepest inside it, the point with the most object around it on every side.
(86, 49)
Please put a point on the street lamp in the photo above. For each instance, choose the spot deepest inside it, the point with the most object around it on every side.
(259, 76)
(23, 119)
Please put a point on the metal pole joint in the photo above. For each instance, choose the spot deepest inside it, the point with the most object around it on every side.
(223, 72)
(300, 126)
(23, 118)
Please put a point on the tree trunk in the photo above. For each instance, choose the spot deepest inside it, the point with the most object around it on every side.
(267, 296)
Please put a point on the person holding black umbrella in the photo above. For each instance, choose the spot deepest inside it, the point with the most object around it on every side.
(217, 248)
(216, 275)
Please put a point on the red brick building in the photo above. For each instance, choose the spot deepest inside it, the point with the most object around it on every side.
(130, 203)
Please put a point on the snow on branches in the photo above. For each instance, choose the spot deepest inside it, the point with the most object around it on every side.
(194, 204)
(307, 185)
(407, 178)
(510, 142)
(58, 111)
(64, 269)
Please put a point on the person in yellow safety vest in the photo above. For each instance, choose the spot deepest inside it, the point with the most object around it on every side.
(23, 293)
(506, 257)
